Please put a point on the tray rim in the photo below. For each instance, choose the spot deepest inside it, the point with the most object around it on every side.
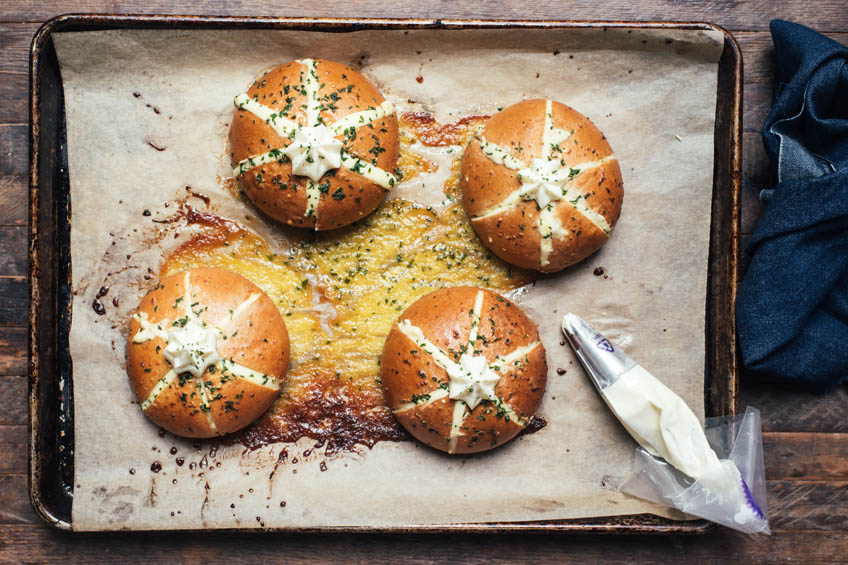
(720, 347)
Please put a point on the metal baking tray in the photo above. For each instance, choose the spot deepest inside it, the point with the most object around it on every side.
(51, 433)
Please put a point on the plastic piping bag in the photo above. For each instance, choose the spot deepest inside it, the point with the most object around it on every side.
(716, 474)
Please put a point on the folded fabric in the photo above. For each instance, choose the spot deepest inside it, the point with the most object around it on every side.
(792, 307)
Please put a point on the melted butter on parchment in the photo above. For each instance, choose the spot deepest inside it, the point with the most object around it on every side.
(339, 294)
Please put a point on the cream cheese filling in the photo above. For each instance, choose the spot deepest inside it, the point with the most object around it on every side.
(240, 309)
(514, 357)
(460, 412)
(500, 156)
(158, 389)
(230, 367)
(148, 329)
(417, 336)
(361, 118)
(279, 123)
(423, 400)
(475, 320)
(310, 84)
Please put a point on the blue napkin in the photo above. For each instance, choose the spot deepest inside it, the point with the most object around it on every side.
(792, 307)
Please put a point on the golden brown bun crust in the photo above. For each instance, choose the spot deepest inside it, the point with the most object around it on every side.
(272, 187)
(409, 374)
(513, 234)
(255, 338)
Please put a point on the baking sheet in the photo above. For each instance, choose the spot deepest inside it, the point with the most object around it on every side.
(651, 92)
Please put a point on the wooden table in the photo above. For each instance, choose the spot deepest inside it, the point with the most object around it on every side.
(806, 437)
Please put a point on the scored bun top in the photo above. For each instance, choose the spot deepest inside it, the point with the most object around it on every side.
(463, 370)
(314, 144)
(206, 352)
(541, 185)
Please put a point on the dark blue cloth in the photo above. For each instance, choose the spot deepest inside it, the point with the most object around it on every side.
(792, 307)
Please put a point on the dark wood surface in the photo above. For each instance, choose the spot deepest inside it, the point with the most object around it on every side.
(805, 436)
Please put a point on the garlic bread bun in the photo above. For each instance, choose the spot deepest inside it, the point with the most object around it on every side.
(206, 353)
(541, 185)
(463, 370)
(314, 144)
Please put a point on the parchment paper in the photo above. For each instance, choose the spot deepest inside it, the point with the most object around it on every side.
(652, 93)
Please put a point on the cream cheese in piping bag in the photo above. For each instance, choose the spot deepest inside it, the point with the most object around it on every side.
(661, 422)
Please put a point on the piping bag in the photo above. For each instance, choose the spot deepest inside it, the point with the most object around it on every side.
(716, 474)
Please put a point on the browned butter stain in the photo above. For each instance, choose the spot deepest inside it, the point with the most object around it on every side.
(326, 412)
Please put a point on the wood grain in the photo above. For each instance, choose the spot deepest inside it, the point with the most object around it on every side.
(14, 298)
(757, 100)
(804, 505)
(13, 441)
(756, 175)
(14, 152)
(740, 15)
(13, 343)
(14, 44)
(806, 456)
(13, 401)
(13, 171)
(14, 241)
(784, 408)
(14, 109)
(723, 546)
(14, 504)
(13, 200)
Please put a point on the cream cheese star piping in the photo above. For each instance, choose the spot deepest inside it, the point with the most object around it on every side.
(314, 151)
(191, 348)
(538, 182)
(472, 380)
